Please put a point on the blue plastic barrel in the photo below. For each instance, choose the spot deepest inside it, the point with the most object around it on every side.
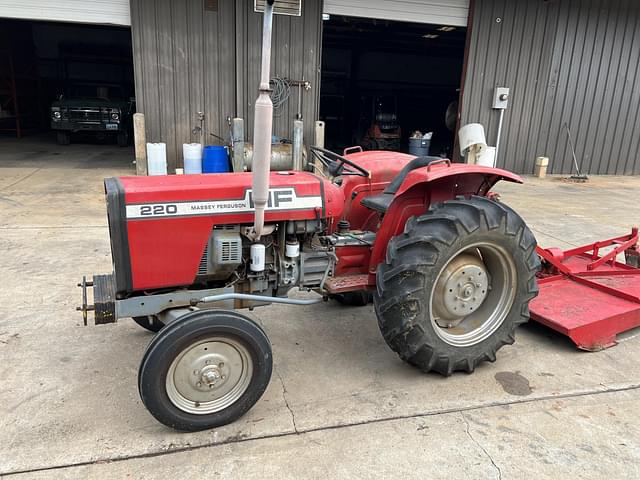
(215, 159)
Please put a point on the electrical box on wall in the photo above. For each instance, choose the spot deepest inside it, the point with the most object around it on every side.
(500, 98)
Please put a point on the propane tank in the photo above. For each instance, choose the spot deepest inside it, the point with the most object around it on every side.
(258, 251)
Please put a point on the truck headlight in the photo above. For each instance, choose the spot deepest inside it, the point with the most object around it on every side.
(56, 115)
(115, 116)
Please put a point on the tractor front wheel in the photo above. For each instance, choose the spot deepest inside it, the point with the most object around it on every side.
(456, 284)
(205, 370)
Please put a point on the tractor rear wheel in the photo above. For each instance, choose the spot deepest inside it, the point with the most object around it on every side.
(205, 369)
(456, 284)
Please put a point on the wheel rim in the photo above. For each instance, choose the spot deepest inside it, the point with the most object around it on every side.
(209, 375)
(473, 294)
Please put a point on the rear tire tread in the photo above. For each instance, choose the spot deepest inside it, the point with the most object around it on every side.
(412, 257)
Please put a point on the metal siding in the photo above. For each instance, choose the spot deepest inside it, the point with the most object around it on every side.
(573, 61)
(295, 54)
(440, 12)
(184, 63)
(104, 12)
(189, 59)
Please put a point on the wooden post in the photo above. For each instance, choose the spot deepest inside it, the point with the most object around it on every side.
(140, 140)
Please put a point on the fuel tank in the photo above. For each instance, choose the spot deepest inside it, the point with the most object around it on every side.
(160, 225)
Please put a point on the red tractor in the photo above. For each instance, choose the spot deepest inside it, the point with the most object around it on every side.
(450, 269)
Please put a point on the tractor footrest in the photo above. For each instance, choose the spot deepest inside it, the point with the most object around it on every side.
(347, 283)
(104, 298)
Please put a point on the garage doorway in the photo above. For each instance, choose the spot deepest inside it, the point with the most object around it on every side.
(40, 62)
(383, 80)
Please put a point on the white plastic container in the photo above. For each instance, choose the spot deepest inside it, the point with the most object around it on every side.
(257, 257)
(292, 249)
(157, 158)
(192, 156)
(488, 157)
(472, 141)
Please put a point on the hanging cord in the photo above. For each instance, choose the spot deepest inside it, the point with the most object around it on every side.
(280, 91)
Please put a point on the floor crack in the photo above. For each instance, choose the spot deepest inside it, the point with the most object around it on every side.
(286, 402)
(466, 423)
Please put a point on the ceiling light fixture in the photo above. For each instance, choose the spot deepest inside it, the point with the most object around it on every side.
(430, 35)
(446, 28)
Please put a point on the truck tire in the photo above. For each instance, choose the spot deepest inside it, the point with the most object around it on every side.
(151, 323)
(64, 138)
(456, 284)
(205, 370)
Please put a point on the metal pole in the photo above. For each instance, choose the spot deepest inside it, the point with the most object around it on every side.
(495, 159)
(259, 298)
(298, 133)
(262, 128)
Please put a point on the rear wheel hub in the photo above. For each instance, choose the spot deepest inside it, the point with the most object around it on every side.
(462, 287)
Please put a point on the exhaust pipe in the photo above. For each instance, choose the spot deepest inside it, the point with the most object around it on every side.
(262, 128)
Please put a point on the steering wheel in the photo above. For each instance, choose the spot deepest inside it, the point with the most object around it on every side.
(336, 164)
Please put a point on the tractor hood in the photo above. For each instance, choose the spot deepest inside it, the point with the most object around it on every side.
(155, 218)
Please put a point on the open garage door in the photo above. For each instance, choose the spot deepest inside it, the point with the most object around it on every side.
(440, 12)
(105, 12)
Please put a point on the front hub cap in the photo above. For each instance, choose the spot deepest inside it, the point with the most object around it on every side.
(209, 376)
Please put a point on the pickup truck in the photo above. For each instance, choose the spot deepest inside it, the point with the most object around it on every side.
(101, 115)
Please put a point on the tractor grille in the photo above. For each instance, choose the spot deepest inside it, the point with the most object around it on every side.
(229, 251)
(204, 261)
(224, 248)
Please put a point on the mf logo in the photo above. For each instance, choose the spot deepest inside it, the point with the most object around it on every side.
(278, 197)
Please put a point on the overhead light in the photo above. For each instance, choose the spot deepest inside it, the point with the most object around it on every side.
(446, 28)
(326, 16)
(430, 35)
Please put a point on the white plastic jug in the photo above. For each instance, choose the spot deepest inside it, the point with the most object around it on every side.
(157, 158)
(192, 156)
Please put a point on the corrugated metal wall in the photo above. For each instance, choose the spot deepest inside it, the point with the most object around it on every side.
(573, 61)
(295, 54)
(195, 55)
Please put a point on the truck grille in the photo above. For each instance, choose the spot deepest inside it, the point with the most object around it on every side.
(87, 115)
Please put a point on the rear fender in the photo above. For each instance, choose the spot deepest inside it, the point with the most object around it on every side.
(429, 185)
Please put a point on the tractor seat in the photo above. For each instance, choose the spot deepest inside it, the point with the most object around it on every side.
(380, 203)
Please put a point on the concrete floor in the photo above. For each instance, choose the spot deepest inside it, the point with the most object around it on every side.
(340, 403)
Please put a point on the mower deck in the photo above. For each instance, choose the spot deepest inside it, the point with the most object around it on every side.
(588, 297)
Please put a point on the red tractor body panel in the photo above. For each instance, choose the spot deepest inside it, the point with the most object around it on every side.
(384, 166)
(160, 225)
(422, 187)
(169, 218)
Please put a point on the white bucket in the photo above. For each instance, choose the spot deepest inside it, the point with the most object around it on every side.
(192, 156)
(157, 158)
